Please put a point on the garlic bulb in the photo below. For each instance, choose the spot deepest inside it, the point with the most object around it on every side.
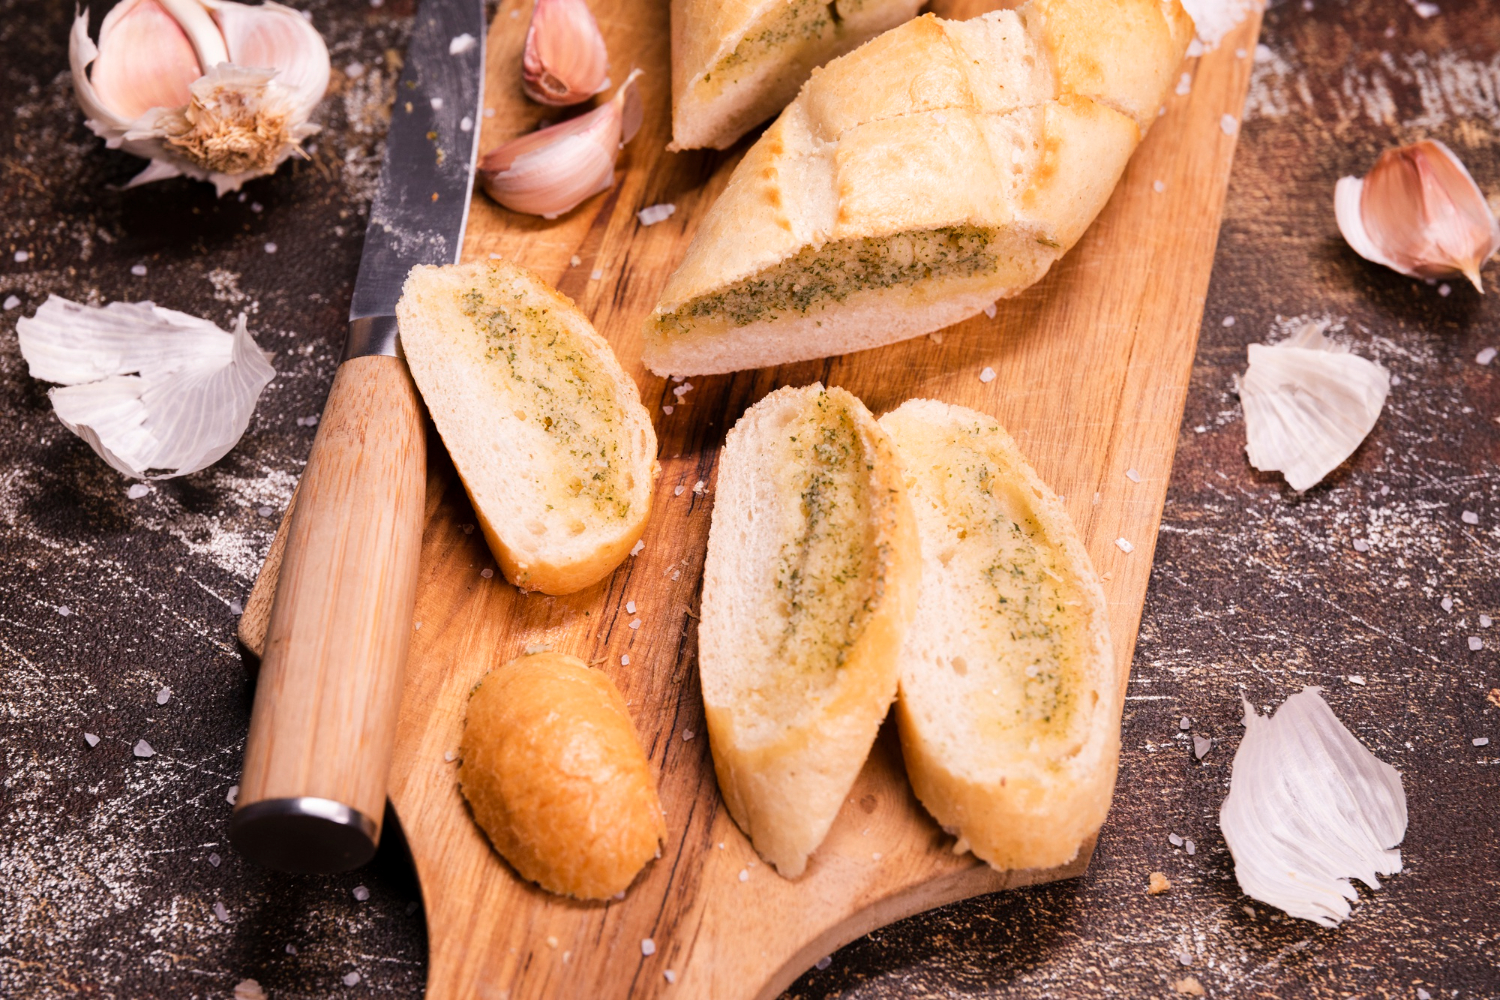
(1308, 809)
(552, 170)
(146, 387)
(1308, 405)
(207, 89)
(565, 61)
(1418, 211)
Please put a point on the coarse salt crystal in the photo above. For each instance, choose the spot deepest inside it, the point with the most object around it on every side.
(681, 390)
(1476, 643)
(667, 409)
(257, 207)
(669, 975)
(264, 511)
(1124, 544)
(744, 874)
(648, 946)
(449, 756)
(630, 607)
(270, 248)
(1485, 621)
(139, 270)
(461, 44)
(1201, 747)
(823, 962)
(1446, 604)
(652, 214)
(625, 659)
(163, 696)
(143, 749)
(1175, 840)
(64, 610)
(636, 549)
(1184, 84)
(1445, 289)
(698, 486)
(236, 607)
(1158, 186)
(1469, 517)
(1480, 741)
(1484, 357)
(687, 734)
(137, 490)
(466, 124)
(678, 491)
(221, 913)
(1132, 475)
(248, 989)
(215, 860)
(361, 893)
(351, 979)
(635, 623)
(437, 104)
(354, 70)
(1190, 847)
(987, 374)
(11, 301)
(1229, 124)
(487, 573)
(22, 256)
(291, 949)
(1356, 679)
(1185, 958)
(1229, 321)
(575, 260)
(1184, 723)
(232, 795)
(989, 311)
(595, 274)
(1360, 545)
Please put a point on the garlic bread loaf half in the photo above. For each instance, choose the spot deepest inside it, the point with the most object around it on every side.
(915, 181)
(546, 430)
(1009, 710)
(736, 63)
(810, 580)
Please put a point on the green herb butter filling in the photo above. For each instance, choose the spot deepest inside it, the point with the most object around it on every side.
(563, 391)
(826, 574)
(800, 23)
(820, 276)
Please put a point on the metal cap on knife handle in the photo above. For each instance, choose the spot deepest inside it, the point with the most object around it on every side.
(322, 730)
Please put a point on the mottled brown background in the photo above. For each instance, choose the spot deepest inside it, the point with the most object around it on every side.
(106, 887)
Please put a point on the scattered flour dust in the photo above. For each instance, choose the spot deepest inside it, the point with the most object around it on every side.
(1214, 19)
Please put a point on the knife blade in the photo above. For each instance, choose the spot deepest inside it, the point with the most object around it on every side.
(322, 729)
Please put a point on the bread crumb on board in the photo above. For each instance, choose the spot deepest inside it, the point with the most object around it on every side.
(1189, 985)
(1158, 884)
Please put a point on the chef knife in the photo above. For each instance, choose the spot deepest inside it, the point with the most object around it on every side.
(323, 724)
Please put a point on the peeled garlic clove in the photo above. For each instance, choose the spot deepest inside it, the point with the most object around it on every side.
(1309, 807)
(1308, 404)
(271, 36)
(565, 61)
(551, 171)
(1418, 211)
(146, 387)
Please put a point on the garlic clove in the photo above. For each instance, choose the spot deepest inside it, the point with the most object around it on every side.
(1308, 405)
(553, 170)
(146, 387)
(1419, 212)
(1309, 807)
(565, 61)
(145, 60)
(271, 36)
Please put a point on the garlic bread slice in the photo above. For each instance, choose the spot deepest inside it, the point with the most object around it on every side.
(1009, 710)
(810, 579)
(546, 430)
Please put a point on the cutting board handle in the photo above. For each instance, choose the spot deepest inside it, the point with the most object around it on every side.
(329, 689)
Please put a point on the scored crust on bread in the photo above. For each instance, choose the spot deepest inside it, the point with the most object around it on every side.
(934, 170)
(555, 776)
(1009, 710)
(810, 579)
(546, 430)
(736, 63)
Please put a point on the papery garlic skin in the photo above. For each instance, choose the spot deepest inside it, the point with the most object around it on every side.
(553, 170)
(1308, 405)
(233, 110)
(565, 61)
(1309, 807)
(1419, 212)
(146, 387)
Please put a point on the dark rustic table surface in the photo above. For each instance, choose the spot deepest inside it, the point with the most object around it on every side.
(115, 876)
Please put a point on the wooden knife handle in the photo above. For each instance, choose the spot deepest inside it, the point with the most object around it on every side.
(326, 700)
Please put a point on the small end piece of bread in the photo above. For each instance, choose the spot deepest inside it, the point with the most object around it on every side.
(913, 182)
(546, 430)
(811, 577)
(556, 777)
(1009, 711)
(736, 63)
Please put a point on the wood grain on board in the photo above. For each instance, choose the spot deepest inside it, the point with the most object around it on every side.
(1091, 369)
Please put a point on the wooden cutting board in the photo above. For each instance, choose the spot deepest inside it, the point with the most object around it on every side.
(1091, 370)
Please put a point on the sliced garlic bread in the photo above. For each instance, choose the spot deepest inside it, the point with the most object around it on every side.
(913, 182)
(810, 579)
(1009, 708)
(736, 63)
(546, 430)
